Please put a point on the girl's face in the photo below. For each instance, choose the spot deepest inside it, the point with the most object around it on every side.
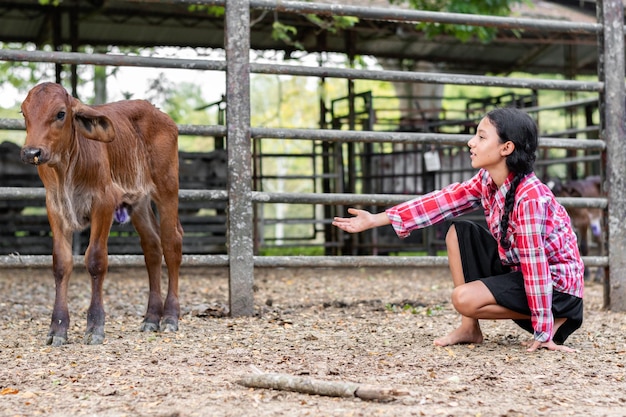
(486, 151)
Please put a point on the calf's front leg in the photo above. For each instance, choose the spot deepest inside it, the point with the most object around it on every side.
(62, 266)
(96, 261)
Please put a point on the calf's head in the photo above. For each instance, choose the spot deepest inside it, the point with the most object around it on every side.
(54, 119)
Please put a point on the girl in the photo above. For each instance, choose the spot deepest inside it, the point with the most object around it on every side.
(526, 267)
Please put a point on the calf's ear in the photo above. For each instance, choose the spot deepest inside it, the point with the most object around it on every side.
(93, 124)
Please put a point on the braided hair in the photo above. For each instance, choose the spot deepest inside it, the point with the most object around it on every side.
(518, 127)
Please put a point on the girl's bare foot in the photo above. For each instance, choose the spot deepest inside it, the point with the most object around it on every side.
(462, 334)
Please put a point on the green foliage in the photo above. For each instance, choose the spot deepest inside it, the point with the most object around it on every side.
(409, 308)
(214, 11)
(292, 251)
(288, 33)
(334, 23)
(431, 311)
(461, 32)
(50, 2)
(23, 75)
(184, 103)
(285, 33)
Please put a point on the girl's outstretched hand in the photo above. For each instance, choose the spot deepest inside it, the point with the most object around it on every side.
(361, 221)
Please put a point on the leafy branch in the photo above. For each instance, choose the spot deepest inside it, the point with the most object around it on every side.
(288, 33)
(462, 32)
(215, 11)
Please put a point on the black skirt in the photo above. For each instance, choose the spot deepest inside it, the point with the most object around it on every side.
(480, 260)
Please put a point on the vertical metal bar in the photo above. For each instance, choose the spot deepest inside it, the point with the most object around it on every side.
(56, 40)
(240, 231)
(74, 35)
(614, 135)
(601, 135)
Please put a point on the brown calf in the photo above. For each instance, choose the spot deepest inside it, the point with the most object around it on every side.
(97, 162)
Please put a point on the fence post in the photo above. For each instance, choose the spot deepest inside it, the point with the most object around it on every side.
(612, 70)
(240, 225)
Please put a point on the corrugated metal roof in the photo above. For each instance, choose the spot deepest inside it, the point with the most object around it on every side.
(149, 24)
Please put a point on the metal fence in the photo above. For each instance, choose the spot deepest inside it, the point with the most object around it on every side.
(241, 198)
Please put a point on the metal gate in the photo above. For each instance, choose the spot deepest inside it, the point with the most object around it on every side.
(241, 198)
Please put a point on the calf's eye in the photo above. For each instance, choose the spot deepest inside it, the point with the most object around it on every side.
(61, 115)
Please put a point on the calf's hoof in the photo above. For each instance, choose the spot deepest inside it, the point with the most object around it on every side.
(93, 339)
(148, 326)
(56, 341)
(169, 325)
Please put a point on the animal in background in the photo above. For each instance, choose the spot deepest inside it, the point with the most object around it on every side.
(97, 163)
(588, 222)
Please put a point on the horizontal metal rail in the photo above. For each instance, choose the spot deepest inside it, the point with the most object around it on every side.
(39, 193)
(564, 105)
(428, 77)
(113, 60)
(297, 70)
(398, 14)
(183, 129)
(386, 199)
(44, 261)
(362, 136)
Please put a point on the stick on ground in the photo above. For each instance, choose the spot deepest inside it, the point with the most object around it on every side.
(312, 386)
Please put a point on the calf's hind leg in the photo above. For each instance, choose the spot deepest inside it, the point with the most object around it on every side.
(172, 243)
(145, 223)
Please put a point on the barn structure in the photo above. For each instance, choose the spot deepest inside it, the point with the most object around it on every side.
(368, 159)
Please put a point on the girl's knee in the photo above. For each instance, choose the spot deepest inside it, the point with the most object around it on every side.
(463, 300)
(458, 296)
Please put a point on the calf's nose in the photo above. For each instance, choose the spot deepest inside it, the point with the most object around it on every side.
(31, 156)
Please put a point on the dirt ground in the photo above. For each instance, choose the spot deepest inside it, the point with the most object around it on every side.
(367, 326)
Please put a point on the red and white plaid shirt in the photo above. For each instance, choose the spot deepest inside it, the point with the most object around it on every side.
(543, 244)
